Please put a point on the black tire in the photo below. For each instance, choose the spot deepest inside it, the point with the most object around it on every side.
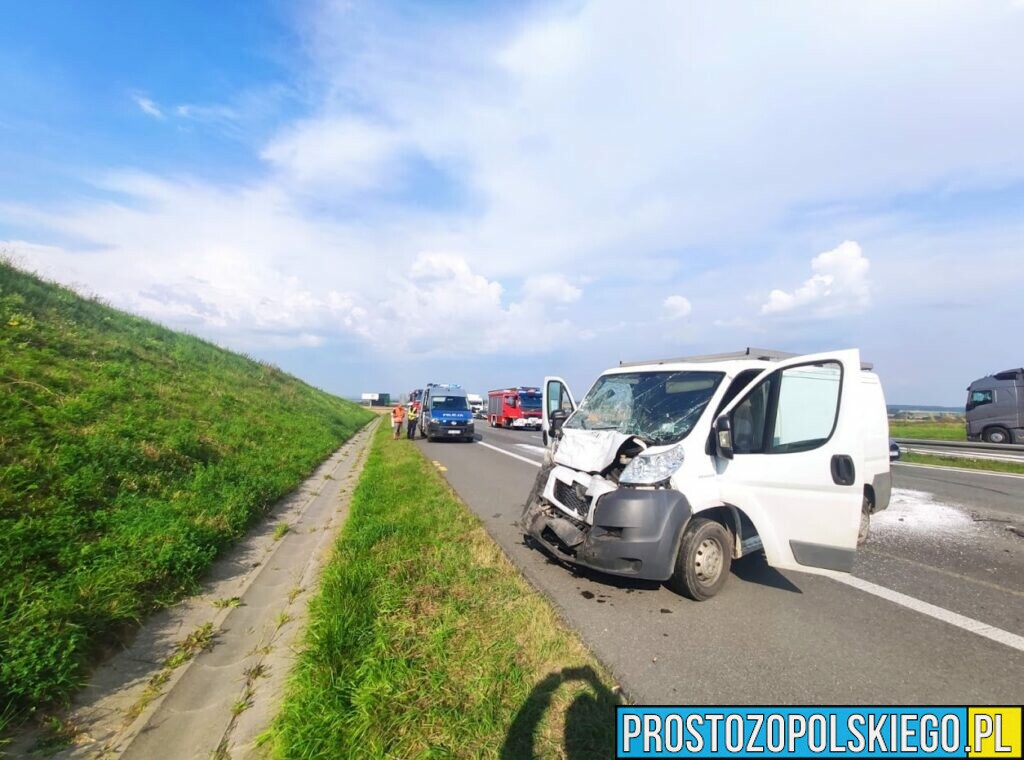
(865, 521)
(997, 435)
(705, 556)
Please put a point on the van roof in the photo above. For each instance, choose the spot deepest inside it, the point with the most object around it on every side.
(450, 389)
(759, 356)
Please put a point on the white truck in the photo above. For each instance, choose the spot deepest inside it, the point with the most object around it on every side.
(476, 404)
(669, 470)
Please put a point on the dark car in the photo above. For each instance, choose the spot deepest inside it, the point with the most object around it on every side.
(894, 450)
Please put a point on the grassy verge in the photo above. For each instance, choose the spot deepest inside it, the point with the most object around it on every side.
(129, 456)
(426, 641)
(935, 431)
(990, 465)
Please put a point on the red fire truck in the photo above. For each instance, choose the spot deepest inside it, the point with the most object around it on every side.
(514, 408)
(414, 398)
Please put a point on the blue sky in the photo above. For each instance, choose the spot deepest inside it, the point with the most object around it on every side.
(374, 195)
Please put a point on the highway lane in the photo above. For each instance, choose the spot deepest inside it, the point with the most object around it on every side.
(791, 637)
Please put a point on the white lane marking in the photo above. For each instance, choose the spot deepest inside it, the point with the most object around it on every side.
(534, 462)
(959, 469)
(531, 447)
(939, 613)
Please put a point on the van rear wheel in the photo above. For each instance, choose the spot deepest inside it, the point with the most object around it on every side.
(997, 435)
(705, 556)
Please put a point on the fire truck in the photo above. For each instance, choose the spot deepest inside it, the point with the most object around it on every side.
(514, 408)
(414, 398)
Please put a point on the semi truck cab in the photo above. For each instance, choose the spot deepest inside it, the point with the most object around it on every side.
(995, 408)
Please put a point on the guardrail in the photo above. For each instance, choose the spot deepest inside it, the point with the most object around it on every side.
(1004, 448)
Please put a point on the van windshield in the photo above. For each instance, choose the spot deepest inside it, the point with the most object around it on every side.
(449, 403)
(660, 407)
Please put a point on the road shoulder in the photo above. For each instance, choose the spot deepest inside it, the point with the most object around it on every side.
(204, 677)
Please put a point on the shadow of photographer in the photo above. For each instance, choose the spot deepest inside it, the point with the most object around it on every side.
(589, 729)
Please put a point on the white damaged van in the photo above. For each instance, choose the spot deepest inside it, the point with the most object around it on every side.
(669, 470)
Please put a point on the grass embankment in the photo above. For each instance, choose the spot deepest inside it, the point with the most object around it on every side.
(426, 641)
(129, 455)
(929, 429)
(991, 465)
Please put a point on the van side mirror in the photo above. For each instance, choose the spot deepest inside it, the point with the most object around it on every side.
(556, 419)
(723, 437)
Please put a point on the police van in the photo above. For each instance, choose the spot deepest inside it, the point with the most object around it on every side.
(669, 470)
(445, 413)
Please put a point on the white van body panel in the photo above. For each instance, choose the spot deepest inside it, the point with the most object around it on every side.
(876, 441)
(792, 498)
(804, 517)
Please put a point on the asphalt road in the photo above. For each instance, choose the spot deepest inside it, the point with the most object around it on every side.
(949, 543)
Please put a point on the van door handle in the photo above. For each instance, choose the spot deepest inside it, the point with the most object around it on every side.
(843, 471)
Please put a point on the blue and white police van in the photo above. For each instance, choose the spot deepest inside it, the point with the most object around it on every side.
(445, 413)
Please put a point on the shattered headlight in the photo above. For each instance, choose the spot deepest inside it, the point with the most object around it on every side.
(649, 468)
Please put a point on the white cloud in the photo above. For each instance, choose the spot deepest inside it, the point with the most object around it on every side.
(441, 305)
(345, 153)
(719, 121)
(839, 285)
(551, 289)
(148, 106)
(611, 142)
(677, 307)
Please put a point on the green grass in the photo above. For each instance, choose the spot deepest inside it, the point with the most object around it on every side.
(424, 641)
(991, 465)
(129, 456)
(935, 431)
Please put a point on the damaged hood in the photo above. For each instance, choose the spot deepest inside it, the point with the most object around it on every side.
(589, 450)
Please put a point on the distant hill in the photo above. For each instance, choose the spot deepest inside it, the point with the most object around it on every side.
(895, 408)
(129, 456)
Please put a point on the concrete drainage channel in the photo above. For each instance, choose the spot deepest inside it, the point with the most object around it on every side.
(204, 679)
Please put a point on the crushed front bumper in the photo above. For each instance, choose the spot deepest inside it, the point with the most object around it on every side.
(636, 532)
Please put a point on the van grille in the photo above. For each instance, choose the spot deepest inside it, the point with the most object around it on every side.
(566, 494)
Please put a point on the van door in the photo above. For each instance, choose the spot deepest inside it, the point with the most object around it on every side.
(797, 467)
(556, 396)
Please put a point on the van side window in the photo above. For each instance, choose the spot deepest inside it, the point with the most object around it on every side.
(806, 408)
(791, 410)
(978, 398)
(748, 420)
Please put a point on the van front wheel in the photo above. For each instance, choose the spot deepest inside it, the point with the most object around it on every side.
(705, 556)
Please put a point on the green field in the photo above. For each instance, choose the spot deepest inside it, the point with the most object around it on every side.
(930, 429)
(129, 456)
(425, 641)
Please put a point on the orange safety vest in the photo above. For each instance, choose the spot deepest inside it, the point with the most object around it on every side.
(398, 413)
